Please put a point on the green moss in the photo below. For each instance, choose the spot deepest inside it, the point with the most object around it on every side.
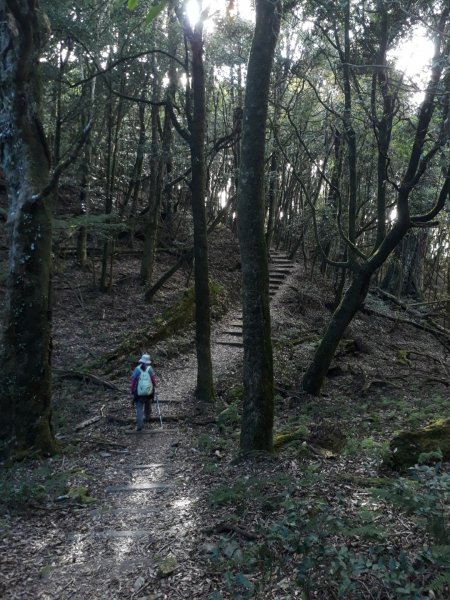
(403, 357)
(282, 439)
(235, 393)
(80, 494)
(365, 482)
(407, 447)
(229, 417)
(166, 566)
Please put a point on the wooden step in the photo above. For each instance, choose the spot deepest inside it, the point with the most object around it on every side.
(280, 271)
(234, 344)
(136, 487)
(109, 534)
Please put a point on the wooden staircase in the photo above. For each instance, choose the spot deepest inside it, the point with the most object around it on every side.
(280, 266)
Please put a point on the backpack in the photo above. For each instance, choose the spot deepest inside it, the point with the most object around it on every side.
(145, 385)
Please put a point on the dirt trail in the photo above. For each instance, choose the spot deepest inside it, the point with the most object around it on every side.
(139, 529)
(144, 525)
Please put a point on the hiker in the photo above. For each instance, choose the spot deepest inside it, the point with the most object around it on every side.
(143, 384)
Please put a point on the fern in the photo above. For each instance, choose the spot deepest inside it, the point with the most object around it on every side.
(440, 582)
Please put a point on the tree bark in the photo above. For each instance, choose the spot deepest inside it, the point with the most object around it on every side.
(404, 276)
(25, 378)
(257, 418)
(204, 392)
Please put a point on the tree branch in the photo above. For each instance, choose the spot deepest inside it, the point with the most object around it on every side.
(62, 166)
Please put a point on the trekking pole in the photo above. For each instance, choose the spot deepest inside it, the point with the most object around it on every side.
(159, 410)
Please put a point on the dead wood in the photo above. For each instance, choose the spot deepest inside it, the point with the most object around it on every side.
(166, 418)
(96, 440)
(376, 383)
(442, 336)
(230, 528)
(414, 313)
(87, 423)
(64, 374)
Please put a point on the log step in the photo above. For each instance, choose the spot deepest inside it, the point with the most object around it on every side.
(111, 534)
(280, 271)
(136, 487)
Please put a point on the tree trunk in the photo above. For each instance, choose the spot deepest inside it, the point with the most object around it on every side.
(349, 305)
(154, 205)
(25, 404)
(134, 186)
(204, 391)
(85, 170)
(111, 163)
(364, 267)
(257, 418)
(404, 276)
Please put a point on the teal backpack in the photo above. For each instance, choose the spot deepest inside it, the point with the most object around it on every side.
(145, 385)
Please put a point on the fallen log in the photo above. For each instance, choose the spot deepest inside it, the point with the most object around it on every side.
(64, 374)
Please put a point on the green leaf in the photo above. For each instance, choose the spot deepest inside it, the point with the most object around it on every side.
(132, 4)
(154, 11)
(241, 579)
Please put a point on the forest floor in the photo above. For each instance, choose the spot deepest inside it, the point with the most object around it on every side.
(169, 513)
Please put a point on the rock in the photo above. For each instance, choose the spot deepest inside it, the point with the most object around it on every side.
(138, 583)
(408, 448)
(166, 566)
(328, 437)
(208, 548)
(233, 550)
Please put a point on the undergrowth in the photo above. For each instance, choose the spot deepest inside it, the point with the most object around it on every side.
(328, 548)
(333, 545)
(22, 487)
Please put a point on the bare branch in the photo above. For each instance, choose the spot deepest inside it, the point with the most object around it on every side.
(62, 166)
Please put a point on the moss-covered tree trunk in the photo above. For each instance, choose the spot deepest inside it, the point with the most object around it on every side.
(257, 418)
(25, 375)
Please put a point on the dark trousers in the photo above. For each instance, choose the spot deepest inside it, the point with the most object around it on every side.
(143, 405)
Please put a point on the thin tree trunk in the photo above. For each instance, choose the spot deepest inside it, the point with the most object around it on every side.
(154, 205)
(257, 418)
(134, 186)
(204, 392)
(111, 164)
(85, 168)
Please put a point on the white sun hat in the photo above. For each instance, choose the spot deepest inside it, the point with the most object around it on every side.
(145, 359)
